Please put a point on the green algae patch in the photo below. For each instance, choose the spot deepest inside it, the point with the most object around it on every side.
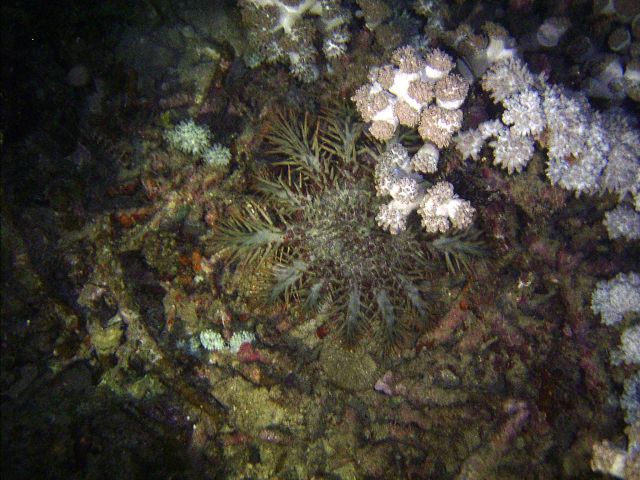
(147, 386)
(427, 393)
(305, 333)
(253, 409)
(106, 340)
(351, 370)
(346, 472)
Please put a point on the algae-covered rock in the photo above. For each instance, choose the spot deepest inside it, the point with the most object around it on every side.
(253, 409)
(161, 252)
(185, 310)
(424, 392)
(305, 333)
(145, 386)
(352, 370)
(106, 339)
(346, 472)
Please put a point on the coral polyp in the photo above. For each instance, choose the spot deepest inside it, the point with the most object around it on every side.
(314, 222)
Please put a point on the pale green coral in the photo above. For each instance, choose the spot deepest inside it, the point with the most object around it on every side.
(212, 340)
(188, 137)
(217, 156)
(239, 338)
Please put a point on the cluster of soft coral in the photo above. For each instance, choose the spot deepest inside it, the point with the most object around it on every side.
(285, 31)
